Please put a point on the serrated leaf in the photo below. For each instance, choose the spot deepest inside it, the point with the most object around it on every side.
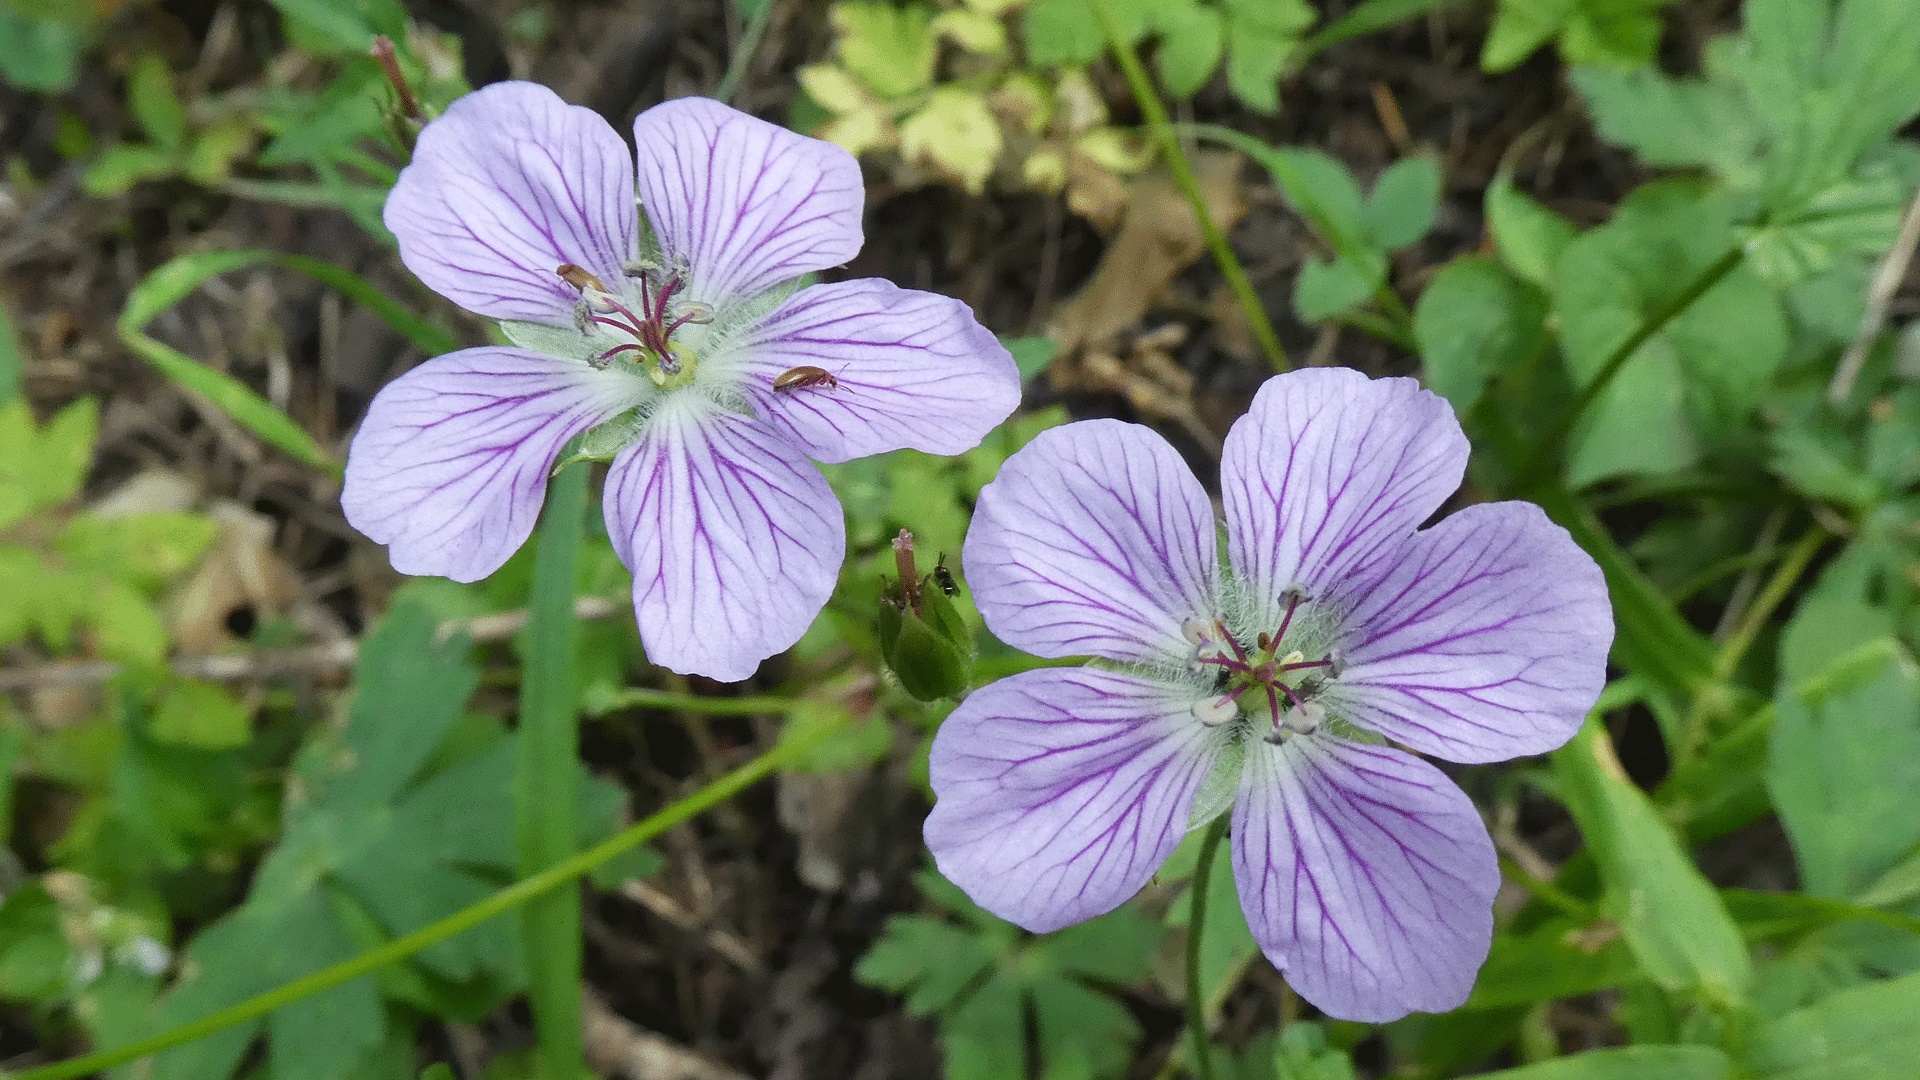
(410, 686)
(1116, 947)
(1256, 58)
(1845, 768)
(1671, 916)
(930, 960)
(1473, 321)
(43, 466)
(1192, 40)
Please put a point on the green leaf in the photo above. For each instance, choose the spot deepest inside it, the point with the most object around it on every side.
(1671, 917)
(929, 960)
(410, 686)
(38, 55)
(1694, 383)
(1549, 962)
(1031, 354)
(1116, 947)
(1866, 1033)
(1845, 768)
(1082, 1034)
(1401, 206)
(1192, 39)
(1472, 322)
(41, 467)
(142, 550)
(1627, 1063)
(1061, 32)
(975, 1035)
(120, 167)
(151, 97)
(891, 49)
(34, 957)
(1528, 237)
(201, 715)
(1324, 289)
(1257, 56)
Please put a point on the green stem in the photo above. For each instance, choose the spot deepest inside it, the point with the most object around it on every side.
(547, 781)
(743, 51)
(1785, 577)
(1542, 462)
(400, 948)
(1196, 925)
(1163, 133)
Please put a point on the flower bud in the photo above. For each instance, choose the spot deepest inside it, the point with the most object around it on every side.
(931, 651)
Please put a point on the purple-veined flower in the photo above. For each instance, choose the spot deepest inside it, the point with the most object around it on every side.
(660, 342)
(1272, 684)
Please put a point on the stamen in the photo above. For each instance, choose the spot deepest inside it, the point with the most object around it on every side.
(1293, 595)
(1214, 712)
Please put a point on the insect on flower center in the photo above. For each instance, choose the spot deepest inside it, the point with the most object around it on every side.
(1262, 679)
(648, 333)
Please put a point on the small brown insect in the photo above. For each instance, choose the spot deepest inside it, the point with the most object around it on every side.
(802, 377)
(579, 277)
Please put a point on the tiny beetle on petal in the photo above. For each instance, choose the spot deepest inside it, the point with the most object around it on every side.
(804, 376)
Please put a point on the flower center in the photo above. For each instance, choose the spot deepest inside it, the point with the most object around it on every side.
(1262, 678)
(649, 340)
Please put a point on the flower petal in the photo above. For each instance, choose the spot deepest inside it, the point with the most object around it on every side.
(1060, 791)
(914, 369)
(1096, 540)
(1327, 471)
(734, 539)
(1366, 875)
(1487, 639)
(505, 186)
(744, 204)
(449, 468)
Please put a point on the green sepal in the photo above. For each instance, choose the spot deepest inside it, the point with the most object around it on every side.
(931, 652)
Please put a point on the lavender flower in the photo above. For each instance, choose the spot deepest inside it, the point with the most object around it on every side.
(668, 345)
(1272, 685)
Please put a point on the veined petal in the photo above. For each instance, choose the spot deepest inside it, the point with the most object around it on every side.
(449, 468)
(505, 186)
(744, 204)
(1366, 875)
(734, 538)
(1060, 791)
(913, 369)
(1095, 540)
(1327, 471)
(1486, 639)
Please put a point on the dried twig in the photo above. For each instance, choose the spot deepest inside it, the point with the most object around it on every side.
(1886, 282)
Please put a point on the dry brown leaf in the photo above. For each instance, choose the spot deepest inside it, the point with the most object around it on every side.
(241, 569)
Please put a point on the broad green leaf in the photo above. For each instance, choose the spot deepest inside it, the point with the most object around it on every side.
(1401, 206)
(1528, 236)
(954, 132)
(1082, 1034)
(1836, 617)
(34, 957)
(201, 715)
(975, 1034)
(1671, 917)
(1116, 947)
(1704, 372)
(1473, 321)
(1031, 354)
(1845, 768)
(891, 49)
(1065, 32)
(1628, 1063)
(41, 467)
(1256, 58)
(931, 961)
(38, 55)
(151, 97)
(1324, 289)
(1193, 38)
(1866, 1033)
(1552, 961)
